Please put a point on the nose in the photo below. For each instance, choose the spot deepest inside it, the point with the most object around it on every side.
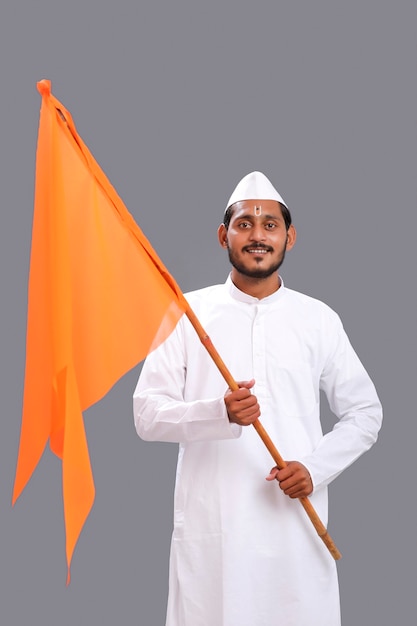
(257, 233)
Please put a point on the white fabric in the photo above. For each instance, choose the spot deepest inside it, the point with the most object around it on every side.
(244, 554)
(254, 186)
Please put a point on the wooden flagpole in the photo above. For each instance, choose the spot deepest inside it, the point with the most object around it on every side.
(308, 507)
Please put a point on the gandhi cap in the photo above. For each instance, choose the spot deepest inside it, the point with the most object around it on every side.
(255, 186)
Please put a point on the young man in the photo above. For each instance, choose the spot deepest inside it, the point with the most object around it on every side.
(243, 551)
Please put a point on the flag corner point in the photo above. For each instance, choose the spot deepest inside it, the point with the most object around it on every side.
(15, 496)
(44, 87)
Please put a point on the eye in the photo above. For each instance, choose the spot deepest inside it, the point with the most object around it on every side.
(271, 225)
(244, 225)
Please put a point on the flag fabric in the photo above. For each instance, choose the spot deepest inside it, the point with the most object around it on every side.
(99, 299)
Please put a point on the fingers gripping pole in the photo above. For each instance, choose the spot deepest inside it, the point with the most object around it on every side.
(308, 507)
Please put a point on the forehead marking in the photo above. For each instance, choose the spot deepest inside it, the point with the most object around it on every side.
(257, 210)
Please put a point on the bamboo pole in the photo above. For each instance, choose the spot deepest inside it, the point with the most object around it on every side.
(308, 507)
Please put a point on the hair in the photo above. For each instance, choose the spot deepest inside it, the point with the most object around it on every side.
(285, 214)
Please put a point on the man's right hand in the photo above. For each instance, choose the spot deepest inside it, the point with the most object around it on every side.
(242, 406)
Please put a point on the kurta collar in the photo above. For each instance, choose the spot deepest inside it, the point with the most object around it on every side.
(236, 294)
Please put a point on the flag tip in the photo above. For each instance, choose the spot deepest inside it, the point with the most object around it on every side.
(44, 87)
(15, 495)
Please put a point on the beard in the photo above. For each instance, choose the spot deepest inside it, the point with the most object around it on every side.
(264, 272)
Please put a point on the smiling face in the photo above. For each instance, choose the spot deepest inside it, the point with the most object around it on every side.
(256, 240)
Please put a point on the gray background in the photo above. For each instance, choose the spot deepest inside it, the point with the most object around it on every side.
(178, 101)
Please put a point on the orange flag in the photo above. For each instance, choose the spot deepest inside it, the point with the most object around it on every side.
(98, 298)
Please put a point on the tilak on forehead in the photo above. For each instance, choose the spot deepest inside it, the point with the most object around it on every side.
(255, 186)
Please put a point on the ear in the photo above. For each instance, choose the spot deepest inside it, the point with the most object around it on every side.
(222, 235)
(291, 237)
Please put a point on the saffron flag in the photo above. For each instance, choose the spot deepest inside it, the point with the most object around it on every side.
(99, 299)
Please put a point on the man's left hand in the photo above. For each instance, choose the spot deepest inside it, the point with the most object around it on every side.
(294, 479)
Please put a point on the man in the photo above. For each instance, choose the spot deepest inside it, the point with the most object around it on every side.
(243, 551)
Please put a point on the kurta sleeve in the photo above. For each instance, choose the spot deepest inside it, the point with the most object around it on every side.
(160, 411)
(353, 399)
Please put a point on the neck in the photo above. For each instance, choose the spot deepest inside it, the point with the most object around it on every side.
(256, 287)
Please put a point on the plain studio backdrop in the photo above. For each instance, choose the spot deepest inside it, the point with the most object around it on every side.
(178, 101)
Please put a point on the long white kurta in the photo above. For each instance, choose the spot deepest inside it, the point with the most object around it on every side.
(244, 554)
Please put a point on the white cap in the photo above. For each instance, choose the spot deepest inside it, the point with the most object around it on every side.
(255, 186)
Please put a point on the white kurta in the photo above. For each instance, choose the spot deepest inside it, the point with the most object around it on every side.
(243, 553)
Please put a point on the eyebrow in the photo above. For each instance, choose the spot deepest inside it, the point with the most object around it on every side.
(250, 216)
